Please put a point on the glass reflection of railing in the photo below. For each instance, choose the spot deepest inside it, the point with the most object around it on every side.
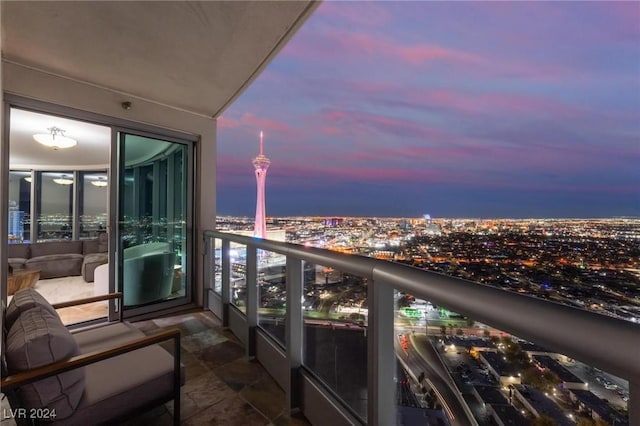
(378, 303)
(335, 334)
(239, 278)
(272, 293)
(215, 266)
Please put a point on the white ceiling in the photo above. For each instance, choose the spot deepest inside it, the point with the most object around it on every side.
(197, 56)
(92, 151)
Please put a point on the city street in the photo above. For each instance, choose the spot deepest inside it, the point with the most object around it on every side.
(421, 358)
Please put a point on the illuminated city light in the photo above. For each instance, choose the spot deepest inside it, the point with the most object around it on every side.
(506, 253)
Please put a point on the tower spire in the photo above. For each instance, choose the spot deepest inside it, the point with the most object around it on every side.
(261, 164)
(261, 143)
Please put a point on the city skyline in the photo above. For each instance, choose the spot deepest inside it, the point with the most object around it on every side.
(524, 110)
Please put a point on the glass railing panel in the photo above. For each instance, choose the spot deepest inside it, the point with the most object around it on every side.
(217, 265)
(272, 293)
(454, 366)
(238, 282)
(335, 333)
(422, 386)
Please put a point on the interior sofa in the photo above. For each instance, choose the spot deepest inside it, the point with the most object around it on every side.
(86, 376)
(60, 258)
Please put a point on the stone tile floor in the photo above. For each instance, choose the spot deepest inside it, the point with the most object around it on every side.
(223, 386)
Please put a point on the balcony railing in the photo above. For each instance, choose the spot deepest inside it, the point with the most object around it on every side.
(606, 343)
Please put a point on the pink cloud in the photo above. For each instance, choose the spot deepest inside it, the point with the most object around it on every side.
(331, 131)
(442, 155)
(249, 120)
(323, 173)
(357, 122)
(424, 53)
(474, 166)
(339, 44)
(495, 102)
(464, 102)
(413, 54)
(626, 16)
(372, 15)
(344, 44)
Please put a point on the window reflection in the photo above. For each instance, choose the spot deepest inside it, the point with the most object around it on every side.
(19, 206)
(54, 195)
(153, 225)
(54, 205)
(92, 202)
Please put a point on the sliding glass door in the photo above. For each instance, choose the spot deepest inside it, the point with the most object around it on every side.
(126, 184)
(154, 221)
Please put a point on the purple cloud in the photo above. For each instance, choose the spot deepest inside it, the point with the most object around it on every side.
(454, 103)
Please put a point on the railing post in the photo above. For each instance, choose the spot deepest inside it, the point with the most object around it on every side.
(540, 321)
(208, 267)
(252, 298)
(226, 281)
(293, 333)
(381, 355)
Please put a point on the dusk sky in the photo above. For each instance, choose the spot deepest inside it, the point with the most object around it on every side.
(456, 109)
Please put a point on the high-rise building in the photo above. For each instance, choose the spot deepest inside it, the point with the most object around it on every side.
(431, 228)
(261, 164)
(16, 222)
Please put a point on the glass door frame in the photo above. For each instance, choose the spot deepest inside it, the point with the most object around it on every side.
(116, 183)
(115, 124)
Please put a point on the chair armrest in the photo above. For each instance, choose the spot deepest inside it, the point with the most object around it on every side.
(30, 376)
(88, 300)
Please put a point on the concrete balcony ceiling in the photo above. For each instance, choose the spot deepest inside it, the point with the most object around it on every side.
(196, 56)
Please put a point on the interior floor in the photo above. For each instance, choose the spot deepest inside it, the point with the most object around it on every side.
(56, 290)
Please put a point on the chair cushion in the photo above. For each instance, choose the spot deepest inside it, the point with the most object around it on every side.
(22, 301)
(89, 246)
(103, 243)
(98, 258)
(17, 262)
(55, 247)
(56, 265)
(105, 336)
(38, 338)
(119, 386)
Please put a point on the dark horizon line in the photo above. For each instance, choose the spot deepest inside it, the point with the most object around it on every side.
(442, 218)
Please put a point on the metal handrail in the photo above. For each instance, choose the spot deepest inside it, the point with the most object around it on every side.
(608, 343)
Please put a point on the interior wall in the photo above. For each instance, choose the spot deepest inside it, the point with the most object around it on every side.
(42, 86)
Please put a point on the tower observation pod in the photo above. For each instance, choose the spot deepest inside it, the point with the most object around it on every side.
(261, 165)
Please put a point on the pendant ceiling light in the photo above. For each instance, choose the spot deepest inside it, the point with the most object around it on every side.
(63, 180)
(55, 139)
(101, 182)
